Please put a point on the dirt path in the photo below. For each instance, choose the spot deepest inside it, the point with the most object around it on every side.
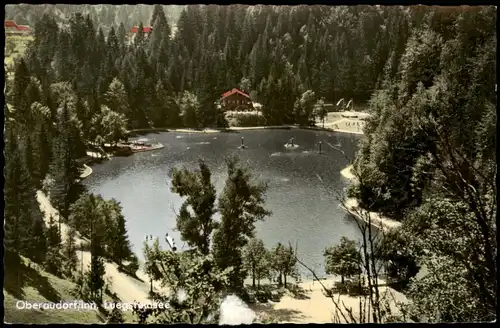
(127, 288)
(352, 206)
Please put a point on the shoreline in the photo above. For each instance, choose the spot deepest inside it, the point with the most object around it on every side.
(136, 132)
(352, 207)
(87, 171)
(314, 307)
(241, 128)
(127, 288)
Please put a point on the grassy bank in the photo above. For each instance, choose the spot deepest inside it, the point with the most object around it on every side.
(38, 286)
(29, 282)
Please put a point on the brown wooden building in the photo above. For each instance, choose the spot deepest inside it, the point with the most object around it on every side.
(236, 100)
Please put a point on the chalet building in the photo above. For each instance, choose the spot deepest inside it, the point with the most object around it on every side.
(10, 25)
(145, 29)
(236, 100)
(133, 32)
(11, 28)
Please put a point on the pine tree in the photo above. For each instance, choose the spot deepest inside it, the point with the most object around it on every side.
(190, 108)
(18, 99)
(240, 205)
(95, 277)
(53, 260)
(159, 40)
(53, 234)
(166, 110)
(116, 98)
(122, 37)
(119, 244)
(37, 246)
(140, 38)
(196, 229)
(63, 169)
(21, 207)
(69, 255)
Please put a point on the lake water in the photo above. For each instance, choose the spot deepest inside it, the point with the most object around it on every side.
(301, 195)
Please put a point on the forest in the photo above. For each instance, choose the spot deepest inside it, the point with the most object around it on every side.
(105, 15)
(427, 75)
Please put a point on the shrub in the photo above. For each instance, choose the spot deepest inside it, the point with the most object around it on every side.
(47, 185)
(133, 265)
(355, 288)
(263, 296)
(340, 288)
(245, 119)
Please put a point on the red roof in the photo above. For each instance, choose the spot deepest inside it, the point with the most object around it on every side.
(233, 91)
(23, 28)
(145, 29)
(10, 23)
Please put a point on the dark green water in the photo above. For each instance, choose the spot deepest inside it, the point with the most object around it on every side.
(301, 195)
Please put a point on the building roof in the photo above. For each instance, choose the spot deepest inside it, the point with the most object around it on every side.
(10, 23)
(23, 28)
(233, 91)
(145, 29)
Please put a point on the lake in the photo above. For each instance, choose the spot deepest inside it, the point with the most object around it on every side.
(301, 195)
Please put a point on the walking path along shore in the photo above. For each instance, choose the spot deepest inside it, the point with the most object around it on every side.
(352, 206)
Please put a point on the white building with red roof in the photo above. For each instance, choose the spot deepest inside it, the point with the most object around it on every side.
(236, 100)
(11, 28)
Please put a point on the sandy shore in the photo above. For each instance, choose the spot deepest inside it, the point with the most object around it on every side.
(352, 206)
(87, 171)
(339, 122)
(312, 306)
(94, 154)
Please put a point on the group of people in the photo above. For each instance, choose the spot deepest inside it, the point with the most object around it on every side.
(357, 123)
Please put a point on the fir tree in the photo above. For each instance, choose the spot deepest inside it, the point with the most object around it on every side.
(69, 255)
(22, 212)
(95, 277)
(119, 244)
(197, 187)
(63, 169)
(240, 205)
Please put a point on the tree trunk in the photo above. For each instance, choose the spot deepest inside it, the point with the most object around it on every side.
(253, 276)
(284, 276)
(342, 277)
(150, 285)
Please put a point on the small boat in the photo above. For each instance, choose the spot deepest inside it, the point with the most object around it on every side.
(123, 151)
(143, 144)
(170, 242)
